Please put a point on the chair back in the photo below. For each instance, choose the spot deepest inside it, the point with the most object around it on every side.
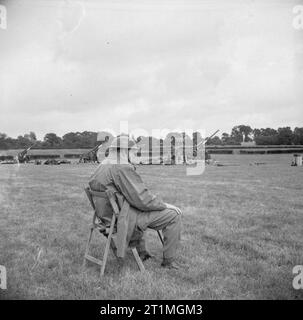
(106, 194)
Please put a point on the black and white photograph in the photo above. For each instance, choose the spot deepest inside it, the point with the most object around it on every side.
(151, 150)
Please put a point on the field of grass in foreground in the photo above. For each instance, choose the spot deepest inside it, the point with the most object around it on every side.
(242, 233)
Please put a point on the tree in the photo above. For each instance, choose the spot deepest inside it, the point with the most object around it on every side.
(85, 139)
(238, 132)
(268, 132)
(3, 143)
(72, 140)
(233, 139)
(23, 141)
(32, 136)
(236, 136)
(285, 135)
(88, 139)
(215, 141)
(51, 140)
(11, 143)
(246, 131)
(267, 136)
(225, 138)
(298, 136)
(256, 133)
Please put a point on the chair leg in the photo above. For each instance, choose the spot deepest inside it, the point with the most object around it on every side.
(113, 247)
(107, 246)
(87, 246)
(138, 259)
(105, 257)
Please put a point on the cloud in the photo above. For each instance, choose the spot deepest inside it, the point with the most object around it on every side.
(65, 66)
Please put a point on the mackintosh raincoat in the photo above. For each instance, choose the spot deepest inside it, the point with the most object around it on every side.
(132, 196)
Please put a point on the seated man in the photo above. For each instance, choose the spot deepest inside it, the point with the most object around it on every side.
(146, 210)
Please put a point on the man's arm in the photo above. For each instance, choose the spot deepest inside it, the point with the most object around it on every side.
(134, 190)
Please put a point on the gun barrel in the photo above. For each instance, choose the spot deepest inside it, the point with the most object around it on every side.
(212, 135)
(95, 148)
(203, 142)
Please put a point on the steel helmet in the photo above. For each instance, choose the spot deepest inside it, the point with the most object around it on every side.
(123, 142)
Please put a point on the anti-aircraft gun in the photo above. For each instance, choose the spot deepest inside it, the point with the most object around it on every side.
(23, 157)
(91, 156)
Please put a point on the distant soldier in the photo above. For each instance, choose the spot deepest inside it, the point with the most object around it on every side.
(146, 210)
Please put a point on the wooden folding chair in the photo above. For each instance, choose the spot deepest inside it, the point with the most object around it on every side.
(107, 232)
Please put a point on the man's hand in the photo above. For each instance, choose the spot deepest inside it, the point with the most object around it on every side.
(171, 206)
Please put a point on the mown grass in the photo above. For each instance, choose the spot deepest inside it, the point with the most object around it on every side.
(242, 233)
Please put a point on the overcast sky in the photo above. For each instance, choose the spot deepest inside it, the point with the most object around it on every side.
(86, 65)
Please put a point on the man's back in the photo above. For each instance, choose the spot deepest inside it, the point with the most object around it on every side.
(124, 179)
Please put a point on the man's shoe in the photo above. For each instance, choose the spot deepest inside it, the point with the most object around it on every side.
(170, 265)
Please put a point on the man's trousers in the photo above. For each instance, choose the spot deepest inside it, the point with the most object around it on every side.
(167, 220)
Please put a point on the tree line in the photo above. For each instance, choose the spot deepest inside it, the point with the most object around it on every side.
(262, 136)
(71, 140)
(88, 139)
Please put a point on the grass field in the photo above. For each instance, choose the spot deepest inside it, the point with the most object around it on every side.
(242, 233)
